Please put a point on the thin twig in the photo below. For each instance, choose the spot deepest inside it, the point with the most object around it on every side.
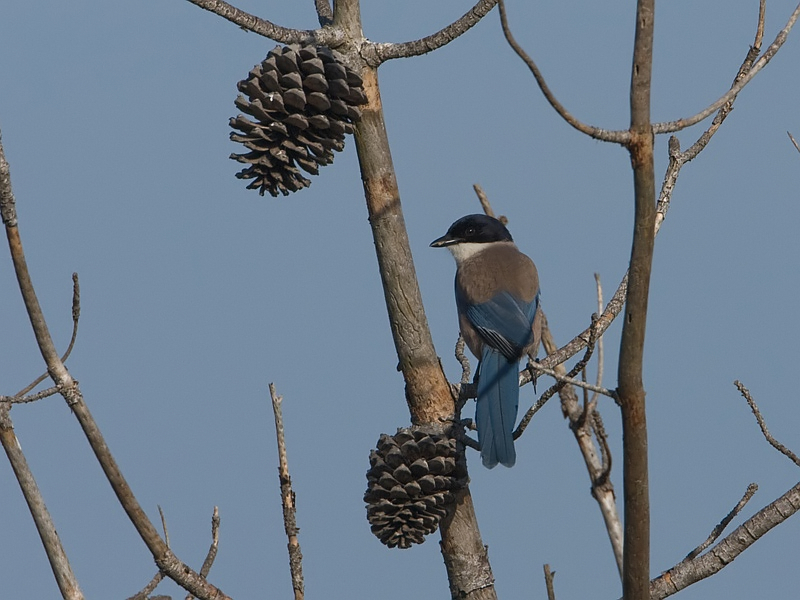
(212, 550)
(619, 137)
(145, 592)
(596, 389)
(484, 200)
(548, 582)
(600, 353)
(794, 141)
(288, 500)
(164, 525)
(763, 425)
(51, 391)
(76, 316)
(717, 531)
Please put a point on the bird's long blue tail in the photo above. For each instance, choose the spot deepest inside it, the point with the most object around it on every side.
(496, 410)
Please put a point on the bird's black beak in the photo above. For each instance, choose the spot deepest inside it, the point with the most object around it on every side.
(445, 240)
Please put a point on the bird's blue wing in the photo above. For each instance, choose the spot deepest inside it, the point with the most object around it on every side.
(504, 323)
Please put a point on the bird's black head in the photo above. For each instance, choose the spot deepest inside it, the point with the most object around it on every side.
(474, 229)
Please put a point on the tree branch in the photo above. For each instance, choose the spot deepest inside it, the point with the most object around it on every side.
(68, 387)
(76, 315)
(717, 531)
(288, 500)
(762, 424)
(325, 36)
(794, 141)
(619, 137)
(59, 563)
(686, 573)
(772, 50)
(375, 54)
(630, 386)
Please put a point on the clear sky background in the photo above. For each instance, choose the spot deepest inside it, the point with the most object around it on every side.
(196, 292)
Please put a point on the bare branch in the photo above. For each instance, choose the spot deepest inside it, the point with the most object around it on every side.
(484, 200)
(51, 391)
(59, 563)
(164, 525)
(288, 500)
(68, 387)
(717, 531)
(794, 141)
(212, 550)
(672, 126)
(548, 582)
(76, 315)
(375, 54)
(762, 424)
(571, 380)
(326, 36)
(145, 592)
(721, 555)
(619, 137)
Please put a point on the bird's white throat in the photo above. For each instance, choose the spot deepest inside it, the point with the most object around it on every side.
(466, 250)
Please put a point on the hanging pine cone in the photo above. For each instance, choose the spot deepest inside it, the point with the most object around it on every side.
(303, 100)
(410, 483)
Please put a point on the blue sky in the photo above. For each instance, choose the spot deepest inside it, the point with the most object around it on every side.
(196, 292)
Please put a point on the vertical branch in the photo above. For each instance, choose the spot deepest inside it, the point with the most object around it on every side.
(59, 563)
(288, 500)
(428, 393)
(636, 560)
(427, 390)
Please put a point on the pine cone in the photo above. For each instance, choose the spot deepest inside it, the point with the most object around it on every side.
(410, 483)
(304, 100)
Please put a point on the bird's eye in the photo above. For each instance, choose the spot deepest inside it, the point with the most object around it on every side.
(470, 231)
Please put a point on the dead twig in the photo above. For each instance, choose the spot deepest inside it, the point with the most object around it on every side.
(717, 531)
(212, 550)
(763, 425)
(794, 141)
(548, 582)
(288, 500)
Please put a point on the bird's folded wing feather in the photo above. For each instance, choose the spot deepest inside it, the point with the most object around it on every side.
(504, 322)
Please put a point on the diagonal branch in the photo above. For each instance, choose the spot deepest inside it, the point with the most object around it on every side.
(762, 424)
(721, 555)
(772, 50)
(59, 563)
(68, 387)
(76, 315)
(325, 36)
(375, 54)
(619, 137)
(726, 520)
(794, 141)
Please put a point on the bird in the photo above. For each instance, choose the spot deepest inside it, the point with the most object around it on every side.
(497, 299)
